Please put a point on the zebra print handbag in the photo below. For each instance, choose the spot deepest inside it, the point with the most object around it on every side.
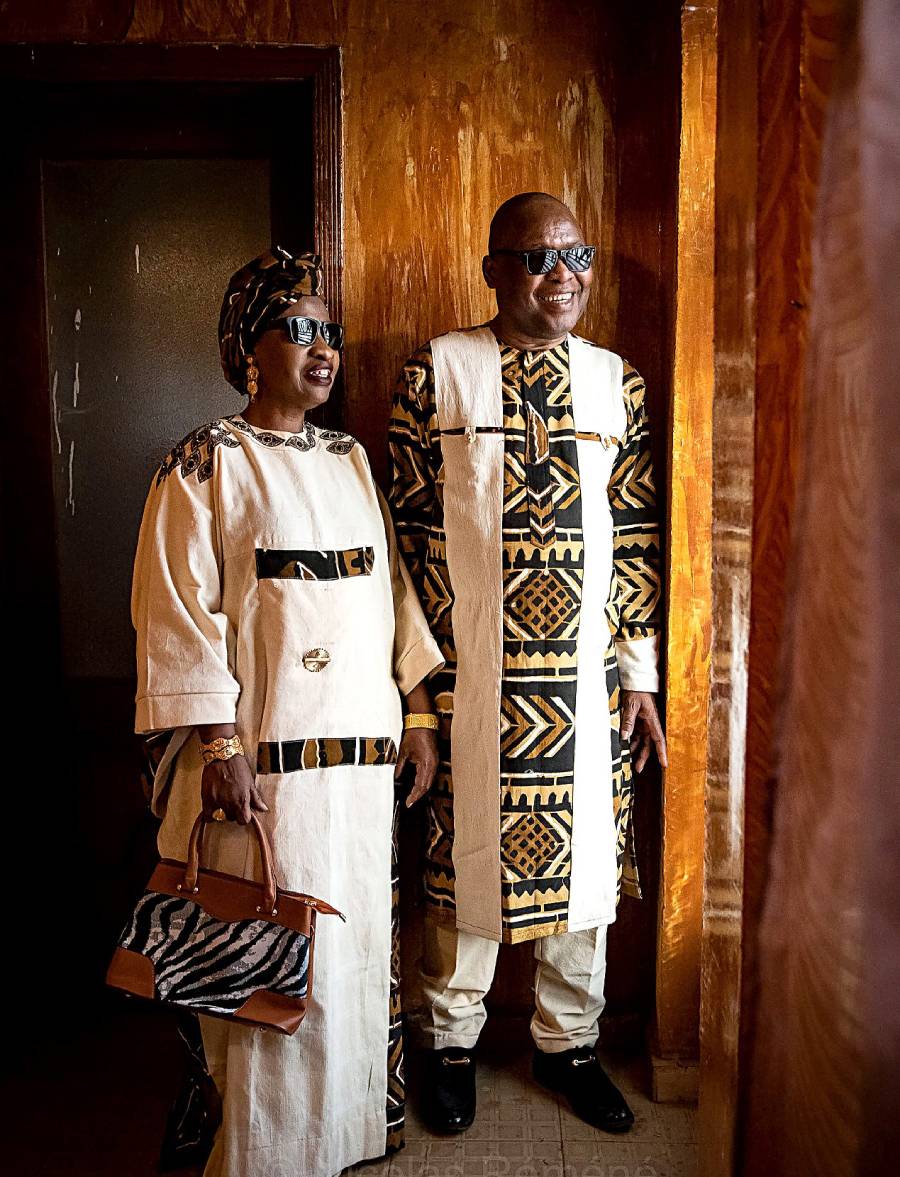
(217, 944)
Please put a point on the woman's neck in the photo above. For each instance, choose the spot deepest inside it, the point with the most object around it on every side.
(266, 414)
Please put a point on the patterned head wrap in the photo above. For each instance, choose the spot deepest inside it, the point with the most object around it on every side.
(256, 295)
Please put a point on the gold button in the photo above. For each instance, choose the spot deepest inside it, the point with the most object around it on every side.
(316, 659)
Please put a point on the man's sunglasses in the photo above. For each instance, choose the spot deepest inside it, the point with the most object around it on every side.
(577, 258)
(303, 330)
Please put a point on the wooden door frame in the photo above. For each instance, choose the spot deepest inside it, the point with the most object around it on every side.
(226, 63)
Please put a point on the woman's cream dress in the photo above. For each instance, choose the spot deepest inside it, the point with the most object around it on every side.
(268, 592)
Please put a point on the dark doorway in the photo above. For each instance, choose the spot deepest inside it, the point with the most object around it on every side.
(139, 178)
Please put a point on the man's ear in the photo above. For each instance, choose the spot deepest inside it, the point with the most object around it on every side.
(487, 269)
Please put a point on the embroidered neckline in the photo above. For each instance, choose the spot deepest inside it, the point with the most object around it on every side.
(304, 440)
(194, 454)
(337, 441)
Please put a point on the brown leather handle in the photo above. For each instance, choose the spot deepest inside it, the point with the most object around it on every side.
(192, 870)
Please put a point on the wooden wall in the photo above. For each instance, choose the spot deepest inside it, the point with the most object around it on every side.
(774, 78)
(731, 534)
(677, 1024)
(798, 47)
(826, 1060)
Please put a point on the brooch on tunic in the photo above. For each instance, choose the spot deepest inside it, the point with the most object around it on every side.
(316, 659)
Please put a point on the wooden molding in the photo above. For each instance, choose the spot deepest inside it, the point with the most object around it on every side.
(689, 553)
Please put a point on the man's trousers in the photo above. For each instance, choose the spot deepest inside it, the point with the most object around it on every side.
(458, 968)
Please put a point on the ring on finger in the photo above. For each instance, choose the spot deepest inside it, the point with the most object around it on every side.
(219, 815)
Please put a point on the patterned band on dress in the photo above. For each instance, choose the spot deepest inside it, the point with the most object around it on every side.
(328, 752)
(275, 564)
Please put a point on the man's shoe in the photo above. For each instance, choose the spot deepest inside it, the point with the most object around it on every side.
(450, 1089)
(593, 1095)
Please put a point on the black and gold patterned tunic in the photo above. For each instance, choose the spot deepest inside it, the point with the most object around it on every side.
(542, 577)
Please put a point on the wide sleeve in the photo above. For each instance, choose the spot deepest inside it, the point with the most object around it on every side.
(636, 551)
(413, 462)
(183, 637)
(416, 653)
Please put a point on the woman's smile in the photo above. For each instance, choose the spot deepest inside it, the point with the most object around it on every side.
(318, 372)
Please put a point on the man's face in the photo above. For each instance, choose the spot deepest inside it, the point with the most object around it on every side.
(540, 307)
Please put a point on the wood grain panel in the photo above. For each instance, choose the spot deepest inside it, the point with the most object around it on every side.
(732, 507)
(689, 550)
(880, 806)
(828, 1020)
(798, 43)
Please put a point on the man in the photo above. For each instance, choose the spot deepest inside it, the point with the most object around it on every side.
(524, 504)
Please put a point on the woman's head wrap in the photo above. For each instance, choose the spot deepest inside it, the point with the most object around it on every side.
(256, 295)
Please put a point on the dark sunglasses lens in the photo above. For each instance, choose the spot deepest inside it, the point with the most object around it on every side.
(540, 261)
(302, 330)
(333, 334)
(579, 258)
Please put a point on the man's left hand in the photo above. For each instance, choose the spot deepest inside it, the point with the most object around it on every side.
(641, 727)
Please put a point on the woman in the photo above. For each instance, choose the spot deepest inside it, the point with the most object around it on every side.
(275, 624)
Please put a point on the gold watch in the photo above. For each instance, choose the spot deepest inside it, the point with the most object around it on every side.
(420, 719)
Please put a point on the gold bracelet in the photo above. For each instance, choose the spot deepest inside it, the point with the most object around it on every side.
(221, 748)
(420, 719)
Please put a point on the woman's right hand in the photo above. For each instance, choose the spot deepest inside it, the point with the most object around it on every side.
(229, 785)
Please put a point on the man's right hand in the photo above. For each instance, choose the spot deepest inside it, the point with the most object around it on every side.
(229, 785)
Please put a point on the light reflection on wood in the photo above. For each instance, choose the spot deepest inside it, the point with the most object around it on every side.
(732, 489)
(689, 533)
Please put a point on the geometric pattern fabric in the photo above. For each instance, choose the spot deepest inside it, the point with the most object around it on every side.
(543, 561)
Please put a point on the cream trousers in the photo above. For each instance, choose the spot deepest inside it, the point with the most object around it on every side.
(458, 968)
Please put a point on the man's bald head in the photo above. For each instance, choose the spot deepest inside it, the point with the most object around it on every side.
(535, 310)
(522, 215)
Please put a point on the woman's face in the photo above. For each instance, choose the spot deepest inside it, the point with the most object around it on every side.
(302, 376)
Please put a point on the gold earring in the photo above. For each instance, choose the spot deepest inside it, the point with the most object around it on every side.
(252, 378)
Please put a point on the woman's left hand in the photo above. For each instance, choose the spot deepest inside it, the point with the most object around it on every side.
(419, 746)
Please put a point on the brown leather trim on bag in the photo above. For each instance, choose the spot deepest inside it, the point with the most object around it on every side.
(273, 1009)
(132, 972)
(228, 898)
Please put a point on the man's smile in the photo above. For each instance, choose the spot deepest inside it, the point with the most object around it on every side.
(562, 299)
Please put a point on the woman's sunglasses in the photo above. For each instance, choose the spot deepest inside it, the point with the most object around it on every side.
(303, 330)
(577, 258)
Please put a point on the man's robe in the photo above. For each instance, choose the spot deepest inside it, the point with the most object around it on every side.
(524, 503)
(268, 593)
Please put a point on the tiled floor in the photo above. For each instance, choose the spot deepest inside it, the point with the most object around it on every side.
(521, 1130)
(93, 1104)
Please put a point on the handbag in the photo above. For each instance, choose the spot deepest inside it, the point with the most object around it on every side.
(218, 944)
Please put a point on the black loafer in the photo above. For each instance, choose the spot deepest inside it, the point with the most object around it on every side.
(593, 1095)
(450, 1089)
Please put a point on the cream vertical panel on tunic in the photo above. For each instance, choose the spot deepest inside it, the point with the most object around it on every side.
(467, 381)
(598, 409)
(468, 402)
(268, 592)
